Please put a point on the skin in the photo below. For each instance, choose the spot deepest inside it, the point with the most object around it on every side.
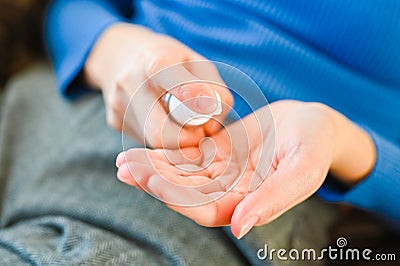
(311, 140)
(277, 171)
(124, 58)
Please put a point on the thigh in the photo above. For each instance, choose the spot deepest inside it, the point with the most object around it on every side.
(57, 240)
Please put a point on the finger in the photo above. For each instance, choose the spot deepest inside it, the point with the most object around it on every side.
(209, 205)
(196, 94)
(295, 179)
(194, 204)
(177, 156)
(142, 166)
(150, 118)
(156, 128)
(137, 174)
(206, 70)
(131, 173)
(133, 155)
(160, 161)
(134, 165)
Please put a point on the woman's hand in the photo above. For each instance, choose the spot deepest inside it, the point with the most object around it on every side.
(245, 181)
(123, 59)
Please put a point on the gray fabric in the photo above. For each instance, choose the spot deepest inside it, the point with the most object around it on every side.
(62, 204)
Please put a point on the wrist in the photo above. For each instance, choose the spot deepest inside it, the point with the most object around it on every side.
(355, 154)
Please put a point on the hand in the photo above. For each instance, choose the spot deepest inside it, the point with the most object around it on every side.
(124, 57)
(310, 140)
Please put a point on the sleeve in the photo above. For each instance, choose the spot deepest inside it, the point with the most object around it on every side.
(380, 190)
(71, 29)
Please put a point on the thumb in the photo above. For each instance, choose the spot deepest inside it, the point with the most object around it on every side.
(295, 179)
(195, 93)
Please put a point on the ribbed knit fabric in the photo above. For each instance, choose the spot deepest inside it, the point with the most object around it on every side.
(341, 53)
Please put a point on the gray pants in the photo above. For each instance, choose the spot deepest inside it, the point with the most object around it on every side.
(62, 204)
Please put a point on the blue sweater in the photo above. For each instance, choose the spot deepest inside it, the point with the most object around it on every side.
(342, 53)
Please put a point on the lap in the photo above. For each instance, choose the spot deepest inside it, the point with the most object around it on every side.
(59, 182)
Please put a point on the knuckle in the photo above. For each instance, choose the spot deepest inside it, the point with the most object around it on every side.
(114, 103)
(117, 105)
(123, 80)
(113, 122)
(157, 61)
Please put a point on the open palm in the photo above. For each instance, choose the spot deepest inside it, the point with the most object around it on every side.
(248, 173)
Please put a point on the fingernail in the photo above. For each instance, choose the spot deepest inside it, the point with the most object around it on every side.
(248, 223)
(206, 104)
(120, 159)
